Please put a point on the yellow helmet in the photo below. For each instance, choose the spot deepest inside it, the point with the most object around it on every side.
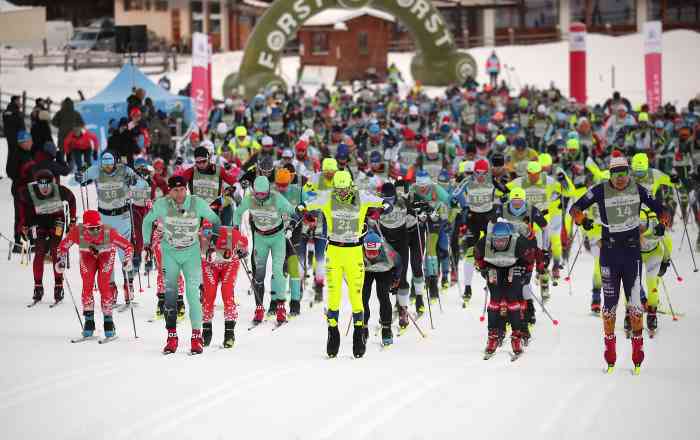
(241, 131)
(329, 164)
(643, 117)
(545, 160)
(640, 162)
(500, 139)
(534, 167)
(572, 144)
(516, 193)
(342, 179)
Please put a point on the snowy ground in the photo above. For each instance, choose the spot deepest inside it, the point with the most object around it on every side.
(534, 64)
(280, 384)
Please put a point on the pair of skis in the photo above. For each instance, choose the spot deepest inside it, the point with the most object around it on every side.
(104, 340)
(513, 356)
(51, 306)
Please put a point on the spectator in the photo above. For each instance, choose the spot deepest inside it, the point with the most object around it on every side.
(82, 147)
(13, 123)
(123, 142)
(65, 120)
(160, 138)
(41, 130)
(39, 105)
(135, 100)
(493, 68)
(19, 170)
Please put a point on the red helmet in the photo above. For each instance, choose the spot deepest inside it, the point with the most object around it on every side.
(135, 112)
(302, 145)
(92, 219)
(158, 164)
(481, 166)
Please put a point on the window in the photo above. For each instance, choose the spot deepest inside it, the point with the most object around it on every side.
(161, 5)
(197, 9)
(363, 43)
(535, 14)
(214, 17)
(147, 5)
(679, 11)
(613, 12)
(319, 43)
(133, 5)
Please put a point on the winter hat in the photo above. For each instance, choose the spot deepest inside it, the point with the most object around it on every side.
(287, 153)
(534, 167)
(423, 178)
(92, 219)
(481, 166)
(640, 162)
(201, 151)
(617, 160)
(432, 148)
(329, 164)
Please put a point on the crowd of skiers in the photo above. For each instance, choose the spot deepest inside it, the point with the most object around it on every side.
(355, 186)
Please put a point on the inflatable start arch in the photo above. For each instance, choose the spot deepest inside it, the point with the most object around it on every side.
(437, 61)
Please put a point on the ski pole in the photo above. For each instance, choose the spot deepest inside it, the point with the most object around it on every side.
(668, 299)
(133, 241)
(75, 306)
(415, 324)
(486, 299)
(128, 292)
(544, 309)
(571, 269)
(685, 231)
(678, 277)
(422, 252)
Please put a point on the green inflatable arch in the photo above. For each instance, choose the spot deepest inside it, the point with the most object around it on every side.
(437, 61)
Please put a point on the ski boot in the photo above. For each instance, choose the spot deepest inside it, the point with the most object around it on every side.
(466, 296)
(515, 343)
(259, 314)
(161, 305)
(387, 335)
(89, 327)
(433, 291)
(318, 289)
(196, 342)
(556, 267)
(171, 343)
(110, 331)
(595, 301)
(628, 326)
(206, 333)
(525, 335)
(358, 341)
(445, 284)
(115, 292)
(491, 344)
(272, 309)
(333, 343)
(420, 307)
(281, 313)
(453, 277)
(180, 308)
(403, 319)
(697, 243)
(294, 307)
(651, 321)
(58, 293)
(610, 353)
(637, 351)
(38, 293)
(229, 335)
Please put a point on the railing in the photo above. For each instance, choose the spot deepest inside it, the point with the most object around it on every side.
(92, 60)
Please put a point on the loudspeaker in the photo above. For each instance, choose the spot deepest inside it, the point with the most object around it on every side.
(131, 39)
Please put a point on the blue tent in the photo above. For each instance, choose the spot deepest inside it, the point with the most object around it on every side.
(110, 103)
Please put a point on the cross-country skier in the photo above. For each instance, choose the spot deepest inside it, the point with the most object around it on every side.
(42, 212)
(180, 214)
(97, 243)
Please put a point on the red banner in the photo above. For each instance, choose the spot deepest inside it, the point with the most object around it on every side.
(577, 62)
(652, 63)
(200, 90)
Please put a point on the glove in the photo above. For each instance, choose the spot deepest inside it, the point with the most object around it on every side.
(301, 208)
(128, 266)
(434, 217)
(78, 177)
(675, 179)
(210, 254)
(561, 177)
(288, 234)
(60, 266)
(664, 267)
(94, 155)
(659, 230)
(179, 161)
(245, 184)
(241, 253)
(387, 208)
(422, 217)
(227, 166)
(587, 224)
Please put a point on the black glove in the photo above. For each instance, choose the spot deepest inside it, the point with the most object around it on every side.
(78, 177)
(241, 253)
(301, 208)
(94, 155)
(561, 177)
(659, 230)
(587, 224)
(179, 161)
(675, 178)
(664, 267)
(227, 165)
(484, 274)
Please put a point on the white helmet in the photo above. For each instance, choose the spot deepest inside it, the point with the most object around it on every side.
(267, 140)
(469, 166)
(228, 102)
(209, 145)
(432, 148)
(413, 110)
(221, 128)
(541, 109)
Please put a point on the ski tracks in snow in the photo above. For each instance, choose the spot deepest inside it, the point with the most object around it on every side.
(30, 392)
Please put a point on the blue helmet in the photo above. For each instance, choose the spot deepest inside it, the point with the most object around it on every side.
(422, 178)
(501, 230)
(520, 143)
(372, 241)
(107, 159)
(375, 157)
(343, 152)
(374, 129)
(140, 162)
(444, 177)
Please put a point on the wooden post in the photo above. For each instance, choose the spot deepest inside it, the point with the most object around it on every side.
(30, 61)
(65, 62)
(174, 54)
(511, 36)
(24, 102)
(46, 47)
(165, 62)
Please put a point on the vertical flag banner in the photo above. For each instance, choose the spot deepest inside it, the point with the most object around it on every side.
(652, 63)
(577, 62)
(200, 90)
(210, 55)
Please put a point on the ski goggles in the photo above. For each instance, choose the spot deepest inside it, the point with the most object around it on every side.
(44, 183)
(619, 172)
(261, 195)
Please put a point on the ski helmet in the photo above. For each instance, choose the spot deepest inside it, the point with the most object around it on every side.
(640, 164)
(92, 219)
(265, 165)
(261, 188)
(501, 235)
(329, 165)
(372, 244)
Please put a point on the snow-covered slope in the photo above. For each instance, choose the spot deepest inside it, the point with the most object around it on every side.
(280, 384)
(536, 64)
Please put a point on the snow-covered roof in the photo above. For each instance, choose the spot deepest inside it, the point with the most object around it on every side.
(6, 6)
(335, 16)
(257, 3)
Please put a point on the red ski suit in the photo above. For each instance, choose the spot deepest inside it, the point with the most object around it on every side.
(222, 268)
(96, 258)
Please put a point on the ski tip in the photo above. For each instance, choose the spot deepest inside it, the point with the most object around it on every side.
(680, 279)
(555, 321)
(481, 318)
(675, 318)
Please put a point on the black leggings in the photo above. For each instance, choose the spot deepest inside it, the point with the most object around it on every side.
(383, 280)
